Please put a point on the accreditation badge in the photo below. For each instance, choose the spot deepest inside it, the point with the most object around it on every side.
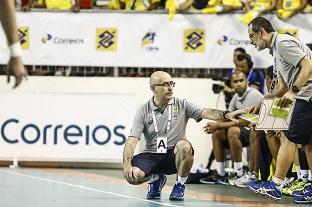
(161, 144)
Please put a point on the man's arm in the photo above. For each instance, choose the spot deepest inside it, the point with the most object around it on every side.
(15, 66)
(128, 170)
(305, 73)
(129, 150)
(8, 20)
(279, 90)
(76, 6)
(305, 66)
(213, 114)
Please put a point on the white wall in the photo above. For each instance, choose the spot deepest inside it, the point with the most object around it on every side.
(195, 90)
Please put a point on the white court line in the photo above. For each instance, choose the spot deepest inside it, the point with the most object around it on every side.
(86, 188)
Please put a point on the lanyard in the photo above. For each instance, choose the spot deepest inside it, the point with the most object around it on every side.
(274, 79)
(169, 119)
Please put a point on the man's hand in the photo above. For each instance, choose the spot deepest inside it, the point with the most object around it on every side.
(128, 172)
(234, 114)
(255, 109)
(16, 68)
(210, 127)
(286, 99)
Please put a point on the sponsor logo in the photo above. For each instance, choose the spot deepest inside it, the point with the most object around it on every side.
(52, 134)
(23, 36)
(232, 41)
(194, 40)
(106, 39)
(61, 40)
(148, 42)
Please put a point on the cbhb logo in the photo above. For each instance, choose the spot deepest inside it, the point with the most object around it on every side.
(23, 36)
(148, 40)
(106, 39)
(194, 40)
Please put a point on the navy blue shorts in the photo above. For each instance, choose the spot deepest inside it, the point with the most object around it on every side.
(300, 130)
(156, 163)
(244, 137)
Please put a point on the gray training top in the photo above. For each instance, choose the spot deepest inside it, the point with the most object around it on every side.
(288, 52)
(181, 112)
(250, 97)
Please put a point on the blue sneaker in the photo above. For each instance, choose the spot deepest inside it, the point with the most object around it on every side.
(177, 192)
(254, 186)
(306, 197)
(267, 188)
(154, 188)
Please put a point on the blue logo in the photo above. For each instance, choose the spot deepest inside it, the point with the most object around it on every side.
(61, 40)
(232, 41)
(72, 134)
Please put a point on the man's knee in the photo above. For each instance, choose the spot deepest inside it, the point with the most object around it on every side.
(138, 178)
(308, 149)
(233, 133)
(184, 147)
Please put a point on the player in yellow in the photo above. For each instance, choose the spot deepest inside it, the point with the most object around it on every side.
(220, 6)
(288, 8)
(255, 8)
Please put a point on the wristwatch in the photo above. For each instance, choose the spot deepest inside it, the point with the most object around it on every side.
(295, 89)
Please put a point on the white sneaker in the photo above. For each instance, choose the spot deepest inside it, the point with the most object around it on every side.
(243, 181)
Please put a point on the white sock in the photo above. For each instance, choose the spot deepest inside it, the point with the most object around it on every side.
(298, 171)
(278, 182)
(220, 168)
(304, 175)
(154, 178)
(238, 168)
(182, 180)
(310, 175)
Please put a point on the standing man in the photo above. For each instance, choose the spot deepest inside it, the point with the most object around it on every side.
(163, 121)
(292, 61)
(15, 66)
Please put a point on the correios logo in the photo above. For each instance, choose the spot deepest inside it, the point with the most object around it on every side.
(61, 40)
(47, 38)
(232, 41)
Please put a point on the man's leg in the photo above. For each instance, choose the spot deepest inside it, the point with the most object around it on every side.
(273, 143)
(218, 138)
(285, 158)
(308, 152)
(236, 147)
(139, 177)
(184, 157)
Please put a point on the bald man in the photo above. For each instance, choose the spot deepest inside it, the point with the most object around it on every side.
(163, 121)
(15, 66)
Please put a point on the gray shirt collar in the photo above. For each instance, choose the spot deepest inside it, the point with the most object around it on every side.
(153, 105)
(240, 98)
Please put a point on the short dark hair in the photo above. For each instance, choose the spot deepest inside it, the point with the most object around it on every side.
(245, 56)
(240, 49)
(260, 22)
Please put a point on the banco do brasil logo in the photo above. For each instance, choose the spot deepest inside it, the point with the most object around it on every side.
(23, 36)
(106, 39)
(194, 40)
